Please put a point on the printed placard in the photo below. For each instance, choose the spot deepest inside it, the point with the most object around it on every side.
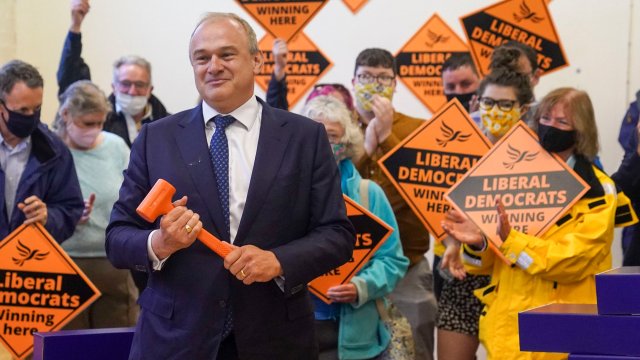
(41, 288)
(536, 187)
(306, 64)
(282, 18)
(371, 233)
(432, 159)
(420, 61)
(525, 21)
(355, 5)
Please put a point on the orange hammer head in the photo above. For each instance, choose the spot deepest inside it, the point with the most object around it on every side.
(157, 202)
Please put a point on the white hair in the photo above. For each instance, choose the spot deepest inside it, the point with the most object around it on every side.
(329, 108)
(131, 60)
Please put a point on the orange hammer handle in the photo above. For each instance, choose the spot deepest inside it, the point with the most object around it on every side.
(158, 202)
(219, 247)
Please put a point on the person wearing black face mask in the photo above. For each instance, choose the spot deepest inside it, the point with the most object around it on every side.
(564, 126)
(19, 124)
(554, 139)
(565, 257)
(460, 80)
(39, 182)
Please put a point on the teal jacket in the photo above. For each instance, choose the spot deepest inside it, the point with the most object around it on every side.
(362, 334)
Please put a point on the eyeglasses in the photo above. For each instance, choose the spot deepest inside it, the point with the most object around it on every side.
(488, 103)
(126, 85)
(367, 78)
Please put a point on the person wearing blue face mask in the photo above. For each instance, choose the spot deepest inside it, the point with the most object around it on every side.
(37, 177)
(350, 327)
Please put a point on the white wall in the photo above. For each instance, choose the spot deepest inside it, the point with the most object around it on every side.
(7, 30)
(600, 38)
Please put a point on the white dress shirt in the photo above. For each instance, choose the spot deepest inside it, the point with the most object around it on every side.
(242, 138)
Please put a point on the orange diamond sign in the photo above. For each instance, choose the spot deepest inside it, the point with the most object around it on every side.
(282, 18)
(354, 5)
(525, 21)
(305, 65)
(535, 186)
(371, 233)
(41, 288)
(420, 61)
(432, 159)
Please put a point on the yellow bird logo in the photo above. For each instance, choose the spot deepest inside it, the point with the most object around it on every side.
(28, 254)
(436, 38)
(451, 135)
(518, 156)
(527, 14)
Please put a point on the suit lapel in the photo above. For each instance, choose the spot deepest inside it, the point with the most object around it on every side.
(195, 153)
(272, 143)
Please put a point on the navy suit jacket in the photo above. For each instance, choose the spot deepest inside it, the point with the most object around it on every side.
(294, 208)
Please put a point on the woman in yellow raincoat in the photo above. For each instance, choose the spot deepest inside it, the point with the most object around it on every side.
(560, 265)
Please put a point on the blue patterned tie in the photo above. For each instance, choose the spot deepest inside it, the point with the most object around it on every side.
(219, 150)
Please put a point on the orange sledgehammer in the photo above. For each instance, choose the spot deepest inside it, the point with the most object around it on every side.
(158, 202)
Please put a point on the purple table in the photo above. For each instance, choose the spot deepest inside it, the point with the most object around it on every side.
(96, 344)
(578, 329)
(618, 291)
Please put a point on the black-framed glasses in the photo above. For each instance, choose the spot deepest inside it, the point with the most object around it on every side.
(488, 103)
(383, 79)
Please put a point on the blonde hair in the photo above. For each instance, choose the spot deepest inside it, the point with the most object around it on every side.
(82, 97)
(578, 108)
(329, 108)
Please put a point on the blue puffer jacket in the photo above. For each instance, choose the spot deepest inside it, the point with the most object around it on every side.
(51, 176)
(362, 334)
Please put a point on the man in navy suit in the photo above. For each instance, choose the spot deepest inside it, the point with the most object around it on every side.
(286, 217)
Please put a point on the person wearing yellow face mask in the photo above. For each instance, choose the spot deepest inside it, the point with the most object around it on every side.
(503, 96)
(374, 83)
(370, 86)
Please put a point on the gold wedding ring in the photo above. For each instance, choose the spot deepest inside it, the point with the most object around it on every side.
(188, 228)
(243, 274)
